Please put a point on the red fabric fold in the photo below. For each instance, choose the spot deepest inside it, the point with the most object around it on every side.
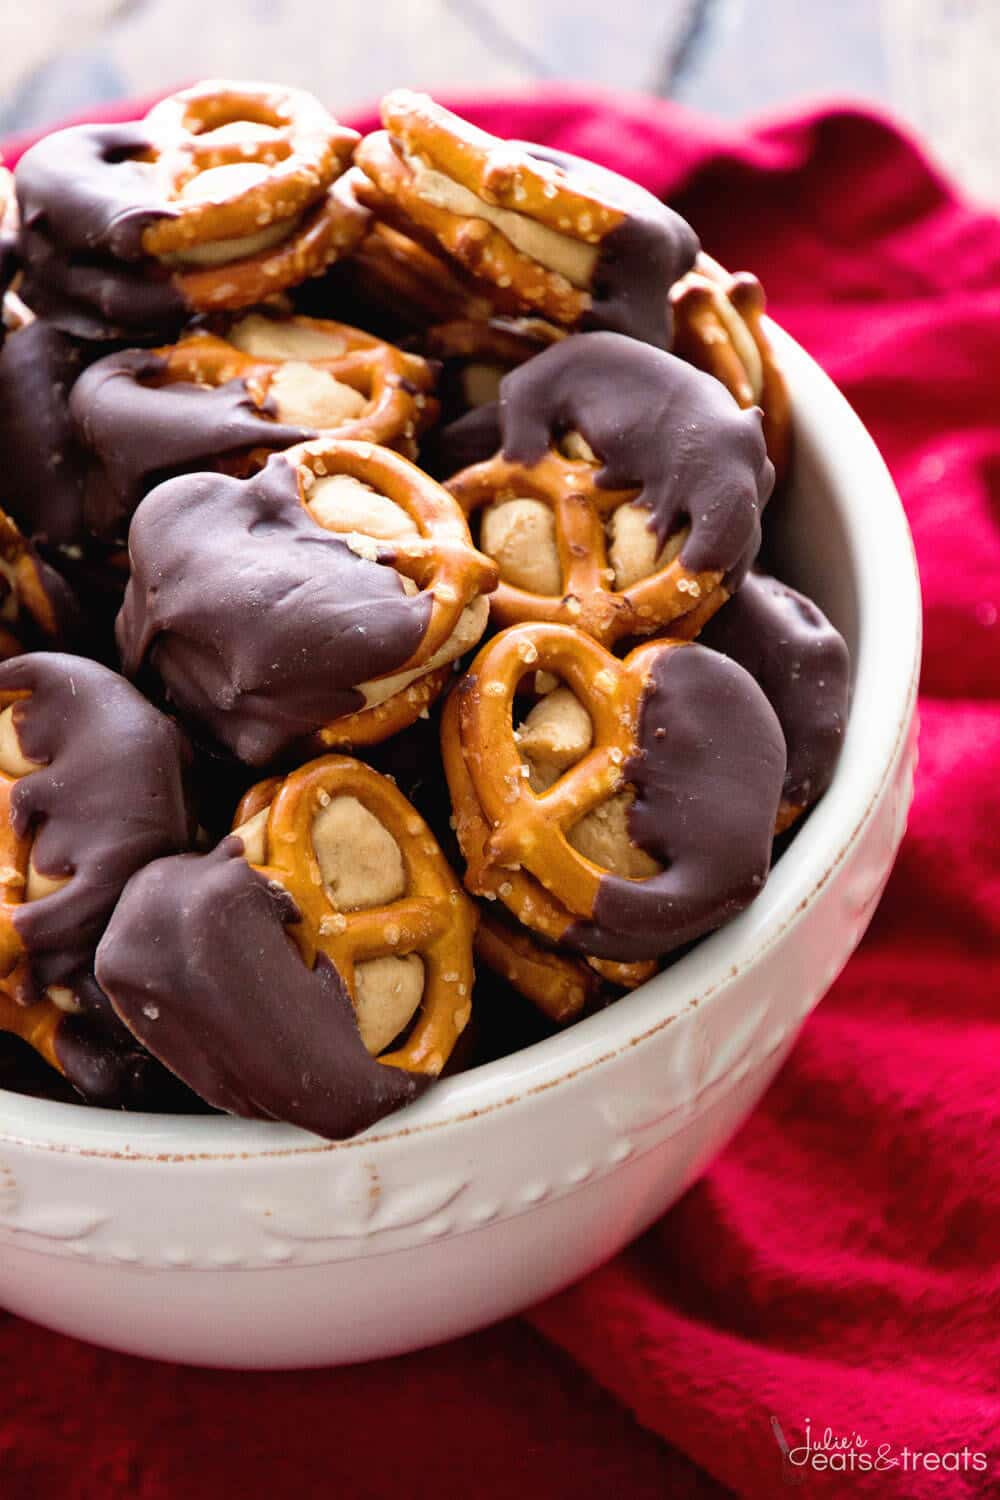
(841, 1261)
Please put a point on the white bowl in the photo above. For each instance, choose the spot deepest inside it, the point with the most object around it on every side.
(225, 1242)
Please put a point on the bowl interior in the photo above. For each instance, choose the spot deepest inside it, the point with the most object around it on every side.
(840, 535)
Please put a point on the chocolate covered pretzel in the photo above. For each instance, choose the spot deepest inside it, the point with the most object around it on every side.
(633, 809)
(626, 494)
(563, 239)
(322, 599)
(345, 1022)
(223, 195)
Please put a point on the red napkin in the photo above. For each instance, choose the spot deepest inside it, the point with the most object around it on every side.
(840, 1264)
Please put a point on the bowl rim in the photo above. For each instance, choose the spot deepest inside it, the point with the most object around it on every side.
(886, 669)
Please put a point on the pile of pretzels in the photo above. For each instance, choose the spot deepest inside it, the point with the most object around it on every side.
(389, 675)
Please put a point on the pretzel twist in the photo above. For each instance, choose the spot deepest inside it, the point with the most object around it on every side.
(672, 596)
(441, 560)
(719, 327)
(15, 853)
(219, 124)
(433, 919)
(396, 385)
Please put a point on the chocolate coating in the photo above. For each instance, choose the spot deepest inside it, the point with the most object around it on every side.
(140, 433)
(790, 648)
(260, 624)
(707, 775)
(198, 965)
(85, 201)
(90, 191)
(639, 261)
(43, 466)
(97, 298)
(107, 1066)
(657, 425)
(109, 797)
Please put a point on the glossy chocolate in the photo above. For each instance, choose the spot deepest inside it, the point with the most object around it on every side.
(107, 1066)
(639, 261)
(87, 187)
(43, 465)
(197, 963)
(97, 298)
(707, 776)
(789, 646)
(109, 797)
(85, 201)
(260, 624)
(139, 433)
(657, 425)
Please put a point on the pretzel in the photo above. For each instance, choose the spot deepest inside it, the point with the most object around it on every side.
(431, 916)
(315, 373)
(25, 600)
(584, 592)
(562, 987)
(718, 326)
(523, 841)
(440, 559)
(408, 281)
(254, 192)
(484, 351)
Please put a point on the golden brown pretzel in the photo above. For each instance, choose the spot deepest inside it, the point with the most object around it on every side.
(671, 597)
(288, 147)
(432, 917)
(254, 177)
(395, 386)
(439, 557)
(25, 599)
(718, 326)
(557, 983)
(514, 840)
(565, 224)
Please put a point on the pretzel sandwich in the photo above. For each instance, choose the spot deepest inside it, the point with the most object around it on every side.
(544, 238)
(719, 326)
(316, 374)
(569, 820)
(572, 553)
(374, 894)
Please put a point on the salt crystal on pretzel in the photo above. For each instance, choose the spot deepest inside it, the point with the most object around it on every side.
(682, 744)
(562, 238)
(272, 612)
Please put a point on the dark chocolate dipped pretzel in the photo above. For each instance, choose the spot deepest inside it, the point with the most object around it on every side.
(317, 600)
(633, 483)
(546, 233)
(639, 817)
(222, 196)
(349, 1019)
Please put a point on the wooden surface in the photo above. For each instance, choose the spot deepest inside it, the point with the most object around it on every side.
(935, 61)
